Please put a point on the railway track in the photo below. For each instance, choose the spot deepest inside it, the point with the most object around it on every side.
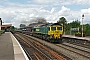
(25, 47)
(78, 42)
(71, 51)
(79, 47)
(40, 52)
(32, 51)
(78, 51)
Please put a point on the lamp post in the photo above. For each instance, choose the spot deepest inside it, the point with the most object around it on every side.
(0, 23)
(82, 24)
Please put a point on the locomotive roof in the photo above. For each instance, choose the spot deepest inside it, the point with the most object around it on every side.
(56, 24)
(48, 24)
(51, 24)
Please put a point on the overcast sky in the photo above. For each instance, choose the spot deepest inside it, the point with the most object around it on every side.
(23, 11)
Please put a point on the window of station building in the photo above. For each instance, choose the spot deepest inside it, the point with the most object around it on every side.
(53, 28)
(59, 28)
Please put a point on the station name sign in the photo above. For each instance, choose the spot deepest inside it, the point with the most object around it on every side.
(74, 29)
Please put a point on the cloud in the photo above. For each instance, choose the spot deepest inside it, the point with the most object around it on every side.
(82, 2)
(86, 13)
(64, 11)
(62, 2)
(44, 1)
(26, 15)
(17, 13)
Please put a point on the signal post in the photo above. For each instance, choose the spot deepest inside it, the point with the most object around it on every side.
(82, 24)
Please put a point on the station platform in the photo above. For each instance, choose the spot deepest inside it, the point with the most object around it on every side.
(10, 49)
(71, 36)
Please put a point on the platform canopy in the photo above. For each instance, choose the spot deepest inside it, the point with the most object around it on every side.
(5, 26)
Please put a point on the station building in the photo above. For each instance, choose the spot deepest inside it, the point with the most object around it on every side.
(5, 27)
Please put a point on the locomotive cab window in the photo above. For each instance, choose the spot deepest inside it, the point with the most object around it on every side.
(59, 28)
(53, 28)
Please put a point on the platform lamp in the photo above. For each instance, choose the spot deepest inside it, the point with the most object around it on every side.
(82, 24)
(0, 23)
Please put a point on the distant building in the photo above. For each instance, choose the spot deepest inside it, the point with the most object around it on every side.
(38, 22)
(4, 26)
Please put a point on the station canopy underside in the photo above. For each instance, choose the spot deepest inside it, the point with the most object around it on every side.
(6, 26)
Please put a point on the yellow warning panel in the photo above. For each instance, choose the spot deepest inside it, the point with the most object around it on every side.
(37, 29)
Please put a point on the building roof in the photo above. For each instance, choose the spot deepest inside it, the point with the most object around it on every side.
(6, 25)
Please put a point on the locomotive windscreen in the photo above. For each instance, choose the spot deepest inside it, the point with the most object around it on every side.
(59, 28)
(53, 28)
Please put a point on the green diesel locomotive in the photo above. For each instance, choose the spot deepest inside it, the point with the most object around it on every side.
(50, 32)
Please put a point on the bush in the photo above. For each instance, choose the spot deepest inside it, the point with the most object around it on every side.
(78, 33)
(2, 31)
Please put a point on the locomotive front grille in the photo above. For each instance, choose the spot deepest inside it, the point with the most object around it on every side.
(56, 35)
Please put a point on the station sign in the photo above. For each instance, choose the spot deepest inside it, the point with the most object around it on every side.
(74, 29)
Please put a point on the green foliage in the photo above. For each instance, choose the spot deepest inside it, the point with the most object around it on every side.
(12, 28)
(78, 32)
(62, 20)
(2, 31)
(87, 29)
(22, 25)
(30, 24)
(74, 24)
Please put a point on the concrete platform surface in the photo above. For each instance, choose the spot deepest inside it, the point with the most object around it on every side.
(10, 49)
(71, 36)
(6, 47)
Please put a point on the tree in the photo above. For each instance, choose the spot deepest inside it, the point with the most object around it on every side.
(75, 24)
(87, 29)
(63, 21)
(22, 25)
(12, 28)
